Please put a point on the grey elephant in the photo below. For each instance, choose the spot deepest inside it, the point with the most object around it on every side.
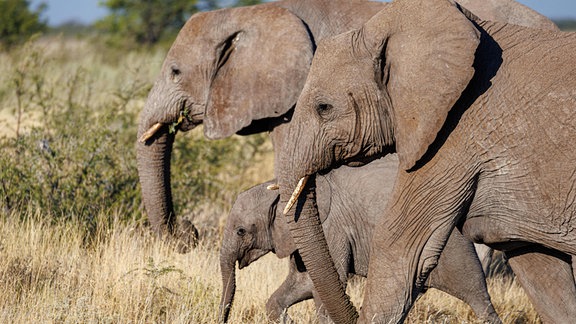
(241, 70)
(349, 202)
(237, 70)
(482, 116)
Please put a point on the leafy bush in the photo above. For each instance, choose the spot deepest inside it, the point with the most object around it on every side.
(76, 156)
(71, 145)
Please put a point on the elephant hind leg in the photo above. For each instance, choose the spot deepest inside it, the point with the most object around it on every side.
(547, 278)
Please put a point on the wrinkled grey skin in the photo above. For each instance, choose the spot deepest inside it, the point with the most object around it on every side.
(481, 115)
(349, 203)
(238, 71)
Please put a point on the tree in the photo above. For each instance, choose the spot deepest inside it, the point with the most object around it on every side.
(18, 22)
(149, 21)
(241, 3)
(146, 21)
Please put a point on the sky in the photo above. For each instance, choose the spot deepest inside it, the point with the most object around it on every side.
(87, 11)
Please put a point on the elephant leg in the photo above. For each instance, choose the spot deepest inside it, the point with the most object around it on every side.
(459, 273)
(547, 278)
(296, 287)
(408, 240)
(397, 271)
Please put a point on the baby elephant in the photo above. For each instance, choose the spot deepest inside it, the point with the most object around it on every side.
(349, 202)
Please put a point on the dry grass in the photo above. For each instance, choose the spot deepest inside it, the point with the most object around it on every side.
(50, 274)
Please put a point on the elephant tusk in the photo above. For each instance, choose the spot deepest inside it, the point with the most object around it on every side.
(296, 194)
(273, 186)
(150, 132)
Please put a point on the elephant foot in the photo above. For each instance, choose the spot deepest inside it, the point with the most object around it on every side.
(185, 237)
(285, 318)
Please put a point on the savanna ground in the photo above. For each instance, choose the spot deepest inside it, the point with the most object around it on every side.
(74, 243)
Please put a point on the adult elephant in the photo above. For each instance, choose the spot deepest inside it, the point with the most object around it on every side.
(238, 71)
(482, 117)
(350, 201)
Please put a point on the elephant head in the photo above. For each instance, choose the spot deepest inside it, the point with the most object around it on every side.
(221, 71)
(386, 87)
(252, 230)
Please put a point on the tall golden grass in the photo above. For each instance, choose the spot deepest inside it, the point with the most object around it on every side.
(49, 273)
(58, 270)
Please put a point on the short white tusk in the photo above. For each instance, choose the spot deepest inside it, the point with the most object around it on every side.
(296, 194)
(273, 186)
(150, 132)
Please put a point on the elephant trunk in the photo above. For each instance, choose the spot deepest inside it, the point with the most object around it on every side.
(154, 173)
(304, 223)
(228, 271)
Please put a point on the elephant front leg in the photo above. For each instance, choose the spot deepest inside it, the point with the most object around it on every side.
(397, 272)
(407, 243)
(547, 278)
(460, 274)
(296, 287)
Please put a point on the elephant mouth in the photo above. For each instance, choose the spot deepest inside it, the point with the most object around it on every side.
(190, 116)
(250, 257)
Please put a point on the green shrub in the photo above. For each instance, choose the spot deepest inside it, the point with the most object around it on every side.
(76, 157)
(18, 22)
(71, 145)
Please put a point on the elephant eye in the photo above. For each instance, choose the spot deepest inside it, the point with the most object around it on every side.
(324, 109)
(240, 231)
(175, 72)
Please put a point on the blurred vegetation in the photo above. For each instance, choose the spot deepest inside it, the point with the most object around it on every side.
(145, 21)
(68, 121)
(566, 24)
(148, 22)
(18, 21)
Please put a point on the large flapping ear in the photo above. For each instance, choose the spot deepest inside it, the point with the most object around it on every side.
(426, 51)
(262, 69)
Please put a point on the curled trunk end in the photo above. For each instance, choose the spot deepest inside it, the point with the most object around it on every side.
(304, 223)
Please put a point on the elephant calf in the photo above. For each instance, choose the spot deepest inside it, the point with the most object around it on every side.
(349, 201)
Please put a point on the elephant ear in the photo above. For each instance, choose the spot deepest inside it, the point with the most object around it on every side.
(262, 70)
(425, 50)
